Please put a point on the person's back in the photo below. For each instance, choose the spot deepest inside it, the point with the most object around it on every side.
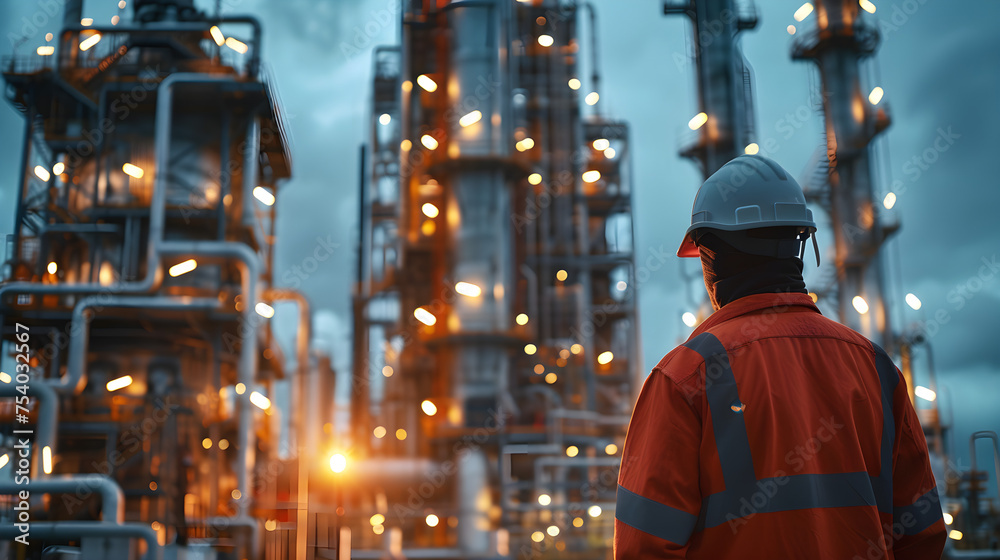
(765, 434)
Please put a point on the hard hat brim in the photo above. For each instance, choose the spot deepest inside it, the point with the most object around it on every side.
(688, 249)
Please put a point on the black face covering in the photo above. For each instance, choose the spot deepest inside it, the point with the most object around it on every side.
(731, 274)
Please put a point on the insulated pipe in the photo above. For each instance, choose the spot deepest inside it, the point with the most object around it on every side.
(83, 529)
(112, 498)
(76, 367)
(48, 416)
(303, 411)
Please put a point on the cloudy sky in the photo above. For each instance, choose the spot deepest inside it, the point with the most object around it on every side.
(939, 65)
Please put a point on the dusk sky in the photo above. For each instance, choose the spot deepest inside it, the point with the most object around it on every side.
(939, 64)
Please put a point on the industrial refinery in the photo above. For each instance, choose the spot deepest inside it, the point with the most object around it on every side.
(184, 378)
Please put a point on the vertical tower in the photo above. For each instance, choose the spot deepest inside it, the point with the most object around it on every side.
(724, 125)
(496, 335)
(136, 289)
(725, 81)
(839, 44)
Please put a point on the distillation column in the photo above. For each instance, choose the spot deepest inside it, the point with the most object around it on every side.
(838, 45)
(724, 80)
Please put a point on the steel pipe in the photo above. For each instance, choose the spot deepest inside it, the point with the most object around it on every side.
(112, 497)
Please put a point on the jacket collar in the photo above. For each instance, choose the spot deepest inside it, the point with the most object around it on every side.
(755, 303)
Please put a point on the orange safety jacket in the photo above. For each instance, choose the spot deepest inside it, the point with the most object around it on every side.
(776, 433)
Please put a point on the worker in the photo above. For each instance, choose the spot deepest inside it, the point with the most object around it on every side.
(773, 432)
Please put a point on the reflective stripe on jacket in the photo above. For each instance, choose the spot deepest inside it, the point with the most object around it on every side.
(765, 436)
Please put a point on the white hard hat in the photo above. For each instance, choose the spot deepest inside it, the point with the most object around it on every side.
(749, 192)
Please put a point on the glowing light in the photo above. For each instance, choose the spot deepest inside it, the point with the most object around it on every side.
(405, 145)
(264, 310)
(260, 401)
(605, 358)
(578, 522)
(42, 173)
(621, 285)
(751, 149)
(206, 443)
(689, 319)
(790, 29)
(534, 178)
(387, 371)
(119, 383)
(432, 520)
(468, 289)
(223, 444)
(470, 119)
(592, 98)
(562, 275)
(803, 11)
(378, 529)
(591, 176)
(546, 40)
(424, 316)
(183, 267)
(428, 228)
(572, 451)
(377, 519)
(601, 144)
(270, 524)
(338, 463)
(430, 210)
(551, 378)
(52, 268)
(240, 388)
(236, 45)
(538, 536)
(45, 50)
(429, 408)
(48, 37)
(889, 201)
(90, 41)
(47, 459)
(860, 304)
(427, 83)
(264, 196)
(401, 434)
(955, 534)
(527, 144)
(5, 377)
(948, 519)
(876, 95)
(379, 432)
(217, 35)
(385, 118)
(121, 4)
(544, 499)
(610, 153)
(698, 121)
(594, 511)
(87, 21)
(539, 369)
(429, 142)
(133, 170)
(867, 6)
(4, 459)
(530, 349)
(924, 393)
(576, 348)
(611, 449)
(814, 296)
(574, 84)
(552, 531)
(913, 301)
(58, 168)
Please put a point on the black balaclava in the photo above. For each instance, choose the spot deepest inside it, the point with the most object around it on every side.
(731, 274)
